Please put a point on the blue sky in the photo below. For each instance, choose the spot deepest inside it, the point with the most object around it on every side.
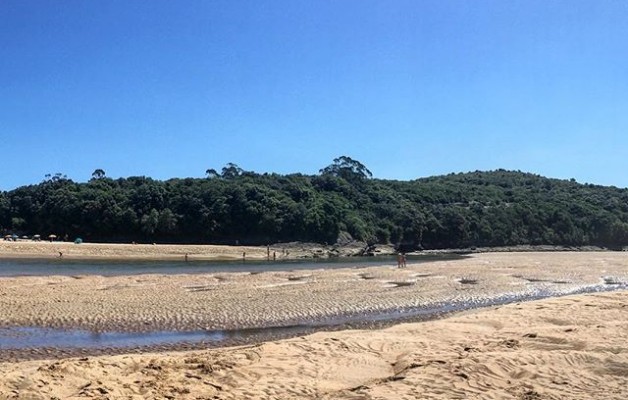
(409, 88)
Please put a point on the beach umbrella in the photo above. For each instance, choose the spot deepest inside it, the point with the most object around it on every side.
(78, 241)
(36, 237)
(52, 237)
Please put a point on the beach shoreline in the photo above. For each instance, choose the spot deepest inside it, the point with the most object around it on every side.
(571, 347)
(250, 300)
(234, 337)
(28, 249)
(115, 251)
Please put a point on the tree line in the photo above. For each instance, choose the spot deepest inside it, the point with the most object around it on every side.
(494, 208)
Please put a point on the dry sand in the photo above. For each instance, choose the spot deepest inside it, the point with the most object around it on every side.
(118, 251)
(566, 348)
(43, 249)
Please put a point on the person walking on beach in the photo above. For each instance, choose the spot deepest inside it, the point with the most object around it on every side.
(401, 260)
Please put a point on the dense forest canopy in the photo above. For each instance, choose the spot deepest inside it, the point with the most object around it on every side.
(496, 208)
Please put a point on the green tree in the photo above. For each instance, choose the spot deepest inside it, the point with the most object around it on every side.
(231, 171)
(98, 174)
(167, 222)
(150, 222)
(491, 208)
(211, 173)
(347, 168)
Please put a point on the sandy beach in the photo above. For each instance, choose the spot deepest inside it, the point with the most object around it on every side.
(569, 347)
(282, 298)
(194, 252)
(45, 249)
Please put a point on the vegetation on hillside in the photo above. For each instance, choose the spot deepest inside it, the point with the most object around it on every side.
(497, 208)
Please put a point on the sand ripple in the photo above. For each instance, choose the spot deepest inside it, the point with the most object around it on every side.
(568, 348)
(244, 300)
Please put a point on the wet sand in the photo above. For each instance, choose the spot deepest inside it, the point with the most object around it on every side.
(283, 298)
(522, 351)
(572, 347)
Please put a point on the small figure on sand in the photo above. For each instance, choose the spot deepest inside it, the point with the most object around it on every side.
(401, 260)
(186, 257)
(60, 254)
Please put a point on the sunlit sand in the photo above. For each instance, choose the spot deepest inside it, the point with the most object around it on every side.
(570, 347)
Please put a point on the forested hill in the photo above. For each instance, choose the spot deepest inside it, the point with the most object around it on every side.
(494, 208)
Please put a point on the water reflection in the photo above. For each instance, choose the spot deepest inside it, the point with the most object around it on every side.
(33, 337)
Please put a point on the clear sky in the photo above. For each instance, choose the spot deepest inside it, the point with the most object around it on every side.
(409, 88)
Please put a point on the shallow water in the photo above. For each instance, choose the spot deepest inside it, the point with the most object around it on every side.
(43, 267)
(17, 338)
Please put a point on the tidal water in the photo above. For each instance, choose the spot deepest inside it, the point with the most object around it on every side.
(17, 338)
(43, 267)
(37, 337)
